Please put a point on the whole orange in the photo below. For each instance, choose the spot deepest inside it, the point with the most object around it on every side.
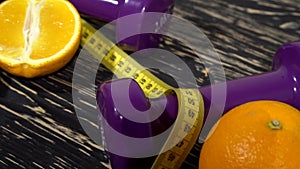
(255, 135)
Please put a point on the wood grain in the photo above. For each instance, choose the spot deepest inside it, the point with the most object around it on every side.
(38, 124)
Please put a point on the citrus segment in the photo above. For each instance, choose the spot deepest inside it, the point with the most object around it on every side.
(40, 39)
(53, 18)
(255, 135)
(12, 40)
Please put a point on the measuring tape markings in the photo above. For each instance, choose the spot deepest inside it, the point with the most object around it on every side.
(190, 128)
(191, 109)
(117, 61)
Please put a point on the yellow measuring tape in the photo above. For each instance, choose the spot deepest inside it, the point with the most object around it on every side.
(184, 132)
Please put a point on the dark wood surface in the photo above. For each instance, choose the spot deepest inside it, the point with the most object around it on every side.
(38, 124)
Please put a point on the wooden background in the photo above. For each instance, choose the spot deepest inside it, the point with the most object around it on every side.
(38, 124)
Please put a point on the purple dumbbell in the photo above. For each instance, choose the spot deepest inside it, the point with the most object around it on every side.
(109, 10)
(281, 84)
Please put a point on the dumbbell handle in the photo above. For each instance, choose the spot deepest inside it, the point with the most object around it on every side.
(109, 10)
(276, 85)
(106, 10)
(281, 84)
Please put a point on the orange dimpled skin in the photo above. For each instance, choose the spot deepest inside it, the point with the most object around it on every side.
(256, 135)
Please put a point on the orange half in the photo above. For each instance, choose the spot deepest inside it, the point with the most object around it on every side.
(37, 37)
